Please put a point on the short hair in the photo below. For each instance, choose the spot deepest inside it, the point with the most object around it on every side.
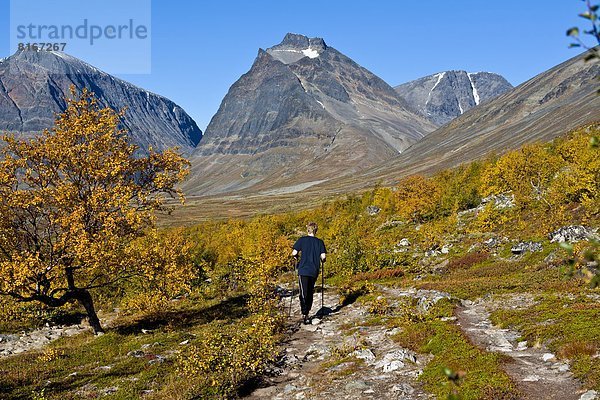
(312, 228)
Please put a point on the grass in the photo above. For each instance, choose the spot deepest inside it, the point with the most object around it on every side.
(86, 366)
(483, 374)
(496, 276)
(87, 361)
(567, 324)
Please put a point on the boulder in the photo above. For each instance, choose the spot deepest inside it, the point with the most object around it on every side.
(364, 354)
(403, 243)
(589, 395)
(500, 201)
(373, 210)
(523, 247)
(572, 234)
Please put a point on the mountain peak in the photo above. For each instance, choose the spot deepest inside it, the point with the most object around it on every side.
(304, 105)
(294, 47)
(296, 40)
(51, 62)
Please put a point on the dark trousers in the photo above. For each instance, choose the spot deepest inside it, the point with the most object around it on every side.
(307, 290)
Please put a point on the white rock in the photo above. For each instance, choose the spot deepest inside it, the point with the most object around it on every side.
(522, 346)
(393, 331)
(184, 342)
(289, 388)
(531, 378)
(393, 366)
(404, 242)
(563, 367)
(356, 385)
(364, 354)
(405, 388)
(548, 356)
(589, 395)
(310, 328)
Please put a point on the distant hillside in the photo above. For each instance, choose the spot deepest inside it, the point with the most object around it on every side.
(444, 96)
(544, 107)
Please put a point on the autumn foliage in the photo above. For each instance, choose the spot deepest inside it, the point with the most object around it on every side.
(74, 203)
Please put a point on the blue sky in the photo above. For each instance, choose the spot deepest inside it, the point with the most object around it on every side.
(199, 48)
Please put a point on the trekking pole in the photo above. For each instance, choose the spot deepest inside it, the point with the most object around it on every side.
(322, 283)
(292, 294)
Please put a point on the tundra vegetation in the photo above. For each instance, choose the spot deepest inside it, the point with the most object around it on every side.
(195, 312)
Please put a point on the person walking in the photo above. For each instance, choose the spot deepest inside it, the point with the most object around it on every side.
(312, 253)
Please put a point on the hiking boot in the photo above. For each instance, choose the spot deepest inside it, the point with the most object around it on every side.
(306, 320)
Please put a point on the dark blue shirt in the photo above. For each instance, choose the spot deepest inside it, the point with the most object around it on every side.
(310, 249)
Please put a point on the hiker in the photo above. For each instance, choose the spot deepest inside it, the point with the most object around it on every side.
(312, 253)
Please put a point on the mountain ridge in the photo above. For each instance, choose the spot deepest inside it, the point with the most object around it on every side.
(34, 84)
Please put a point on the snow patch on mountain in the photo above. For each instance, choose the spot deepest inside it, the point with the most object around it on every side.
(475, 94)
(439, 76)
(310, 53)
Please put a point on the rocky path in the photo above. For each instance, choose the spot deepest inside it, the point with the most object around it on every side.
(16, 343)
(341, 358)
(537, 372)
(338, 358)
(24, 341)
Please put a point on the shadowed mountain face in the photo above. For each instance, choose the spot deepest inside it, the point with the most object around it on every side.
(33, 85)
(444, 96)
(306, 108)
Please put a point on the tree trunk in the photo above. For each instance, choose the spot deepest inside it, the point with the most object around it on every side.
(85, 299)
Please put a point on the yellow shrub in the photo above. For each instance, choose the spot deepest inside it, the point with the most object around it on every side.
(380, 306)
(433, 234)
(227, 356)
(417, 197)
(50, 354)
(146, 303)
(579, 180)
(489, 219)
(526, 172)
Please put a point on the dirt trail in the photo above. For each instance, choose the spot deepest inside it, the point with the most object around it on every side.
(535, 370)
(379, 368)
(24, 341)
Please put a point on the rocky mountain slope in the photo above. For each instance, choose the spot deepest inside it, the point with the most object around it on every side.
(446, 95)
(307, 106)
(546, 106)
(33, 85)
